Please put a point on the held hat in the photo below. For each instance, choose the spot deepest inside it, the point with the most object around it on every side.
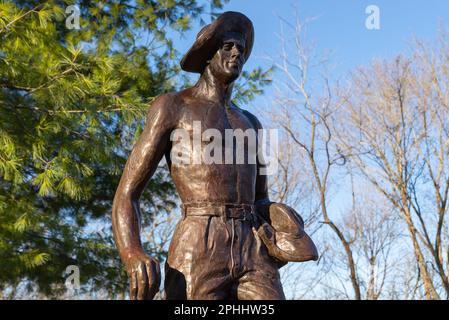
(209, 39)
(283, 234)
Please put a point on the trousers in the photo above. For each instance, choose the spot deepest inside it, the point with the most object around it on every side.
(215, 254)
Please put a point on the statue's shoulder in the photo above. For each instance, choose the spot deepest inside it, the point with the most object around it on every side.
(164, 110)
(168, 104)
(174, 100)
(165, 101)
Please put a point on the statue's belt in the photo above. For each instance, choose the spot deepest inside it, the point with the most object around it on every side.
(227, 210)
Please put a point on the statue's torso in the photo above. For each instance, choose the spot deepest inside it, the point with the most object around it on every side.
(213, 182)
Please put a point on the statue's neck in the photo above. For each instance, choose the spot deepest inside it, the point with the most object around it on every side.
(213, 88)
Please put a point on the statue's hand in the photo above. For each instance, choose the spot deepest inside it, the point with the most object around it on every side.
(145, 276)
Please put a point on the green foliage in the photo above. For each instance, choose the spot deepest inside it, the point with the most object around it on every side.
(252, 84)
(71, 102)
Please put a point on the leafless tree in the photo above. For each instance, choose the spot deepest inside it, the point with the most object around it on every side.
(291, 184)
(306, 119)
(395, 126)
(374, 229)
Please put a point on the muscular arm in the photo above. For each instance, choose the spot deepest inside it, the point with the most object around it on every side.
(141, 164)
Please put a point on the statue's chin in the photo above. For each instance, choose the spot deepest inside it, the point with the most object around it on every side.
(227, 75)
(232, 75)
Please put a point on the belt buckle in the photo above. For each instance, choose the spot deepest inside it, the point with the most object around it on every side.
(244, 213)
(241, 209)
(235, 212)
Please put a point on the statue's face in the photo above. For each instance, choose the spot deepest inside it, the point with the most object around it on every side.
(228, 61)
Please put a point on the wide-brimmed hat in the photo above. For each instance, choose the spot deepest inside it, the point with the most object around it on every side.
(283, 234)
(210, 37)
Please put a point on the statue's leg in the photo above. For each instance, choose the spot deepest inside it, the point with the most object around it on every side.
(259, 285)
(259, 277)
(198, 261)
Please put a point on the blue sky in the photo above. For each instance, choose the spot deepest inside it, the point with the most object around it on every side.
(339, 27)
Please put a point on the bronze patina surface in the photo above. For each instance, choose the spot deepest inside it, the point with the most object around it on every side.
(225, 246)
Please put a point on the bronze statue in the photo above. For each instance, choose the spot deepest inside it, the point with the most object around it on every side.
(231, 239)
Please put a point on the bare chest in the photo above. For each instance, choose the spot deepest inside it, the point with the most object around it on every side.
(211, 134)
(213, 117)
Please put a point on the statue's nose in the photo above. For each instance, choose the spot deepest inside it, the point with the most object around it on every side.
(235, 52)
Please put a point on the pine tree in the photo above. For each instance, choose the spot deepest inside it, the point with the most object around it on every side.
(72, 102)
